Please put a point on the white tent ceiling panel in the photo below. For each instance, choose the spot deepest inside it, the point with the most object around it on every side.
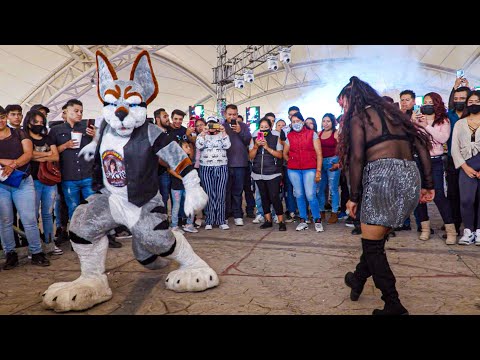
(185, 81)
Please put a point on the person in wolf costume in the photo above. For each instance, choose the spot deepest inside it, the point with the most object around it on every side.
(127, 194)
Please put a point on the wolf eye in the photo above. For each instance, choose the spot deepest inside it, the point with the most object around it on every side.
(105, 103)
(133, 105)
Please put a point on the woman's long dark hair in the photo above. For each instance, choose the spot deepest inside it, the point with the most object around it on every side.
(470, 94)
(332, 120)
(30, 119)
(438, 107)
(360, 94)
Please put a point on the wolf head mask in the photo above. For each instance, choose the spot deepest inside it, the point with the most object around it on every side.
(125, 102)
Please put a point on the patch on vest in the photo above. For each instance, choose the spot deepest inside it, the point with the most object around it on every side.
(114, 168)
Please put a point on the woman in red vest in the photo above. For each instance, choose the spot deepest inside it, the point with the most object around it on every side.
(303, 152)
(377, 145)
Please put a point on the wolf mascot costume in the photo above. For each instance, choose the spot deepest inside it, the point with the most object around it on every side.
(126, 153)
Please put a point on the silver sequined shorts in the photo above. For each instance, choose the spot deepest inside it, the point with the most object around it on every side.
(391, 191)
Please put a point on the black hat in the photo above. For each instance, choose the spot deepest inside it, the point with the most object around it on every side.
(40, 106)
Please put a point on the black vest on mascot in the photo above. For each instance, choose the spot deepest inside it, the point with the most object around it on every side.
(265, 163)
(141, 166)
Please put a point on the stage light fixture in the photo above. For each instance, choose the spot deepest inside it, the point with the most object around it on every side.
(272, 63)
(285, 55)
(239, 83)
(248, 76)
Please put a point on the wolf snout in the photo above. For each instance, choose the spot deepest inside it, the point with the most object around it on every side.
(121, 113)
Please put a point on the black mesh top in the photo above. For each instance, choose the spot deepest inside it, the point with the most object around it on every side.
(382, 140)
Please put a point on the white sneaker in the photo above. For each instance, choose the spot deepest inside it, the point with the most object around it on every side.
(224, 227)
(190, 228)
(123, 235)
(302, 226)
(57, 251)
(477, 237)
(308, 221)
(259, 219)
(208, 227)
(239, 221)
(468, 238)
(318, 227)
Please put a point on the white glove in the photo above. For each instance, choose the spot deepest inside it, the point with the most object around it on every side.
(195, 196)
(88, 152)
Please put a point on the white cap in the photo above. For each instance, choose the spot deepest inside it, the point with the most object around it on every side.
(212, 118)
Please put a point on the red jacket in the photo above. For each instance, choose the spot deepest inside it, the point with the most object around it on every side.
(302, 155)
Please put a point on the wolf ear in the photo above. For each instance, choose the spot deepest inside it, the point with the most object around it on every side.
(106, 75)
(142, 74)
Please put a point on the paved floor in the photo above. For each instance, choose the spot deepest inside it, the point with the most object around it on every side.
(269, 272)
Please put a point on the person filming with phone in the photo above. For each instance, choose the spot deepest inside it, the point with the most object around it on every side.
(237, 162)
(213, 143)
(456, 107)
(265, 151)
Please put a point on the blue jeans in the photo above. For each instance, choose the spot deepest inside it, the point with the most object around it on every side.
(72, 190)
(60, 210)
(46, 195)
(258, 203)
(178, 198)
(288, 193)
(333, 179)
(164, 184)
(305, 188)
(23, 197)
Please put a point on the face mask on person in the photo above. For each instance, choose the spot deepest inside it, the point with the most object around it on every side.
(459, 105)
(266, 132)
(297, 126)
(427, 109)
(473, 109)
(36, 129)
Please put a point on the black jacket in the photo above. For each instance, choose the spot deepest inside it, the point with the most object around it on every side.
(265, 163)
(141, 166)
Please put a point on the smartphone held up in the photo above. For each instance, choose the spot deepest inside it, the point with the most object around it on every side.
(214, 126)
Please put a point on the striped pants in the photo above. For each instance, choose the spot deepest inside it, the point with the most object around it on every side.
(214, 181)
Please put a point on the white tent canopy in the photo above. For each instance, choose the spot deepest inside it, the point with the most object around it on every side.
(52, 74)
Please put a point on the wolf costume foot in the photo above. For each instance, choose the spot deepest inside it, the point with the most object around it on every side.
(90, 288)
(194, 274)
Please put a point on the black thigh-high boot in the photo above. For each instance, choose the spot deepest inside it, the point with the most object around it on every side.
(357, 279)
(383, 277)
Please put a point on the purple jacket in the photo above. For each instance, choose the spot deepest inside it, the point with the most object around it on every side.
(237, 154)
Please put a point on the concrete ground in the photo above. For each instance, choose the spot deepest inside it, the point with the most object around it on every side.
(269, 272)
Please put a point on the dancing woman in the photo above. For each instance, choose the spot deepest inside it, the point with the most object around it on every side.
(377, 145)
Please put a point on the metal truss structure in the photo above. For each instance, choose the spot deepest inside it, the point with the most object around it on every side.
(248, 59)
(73, 78)
(308, 74)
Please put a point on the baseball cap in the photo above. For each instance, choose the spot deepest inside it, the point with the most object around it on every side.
(212, 118)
